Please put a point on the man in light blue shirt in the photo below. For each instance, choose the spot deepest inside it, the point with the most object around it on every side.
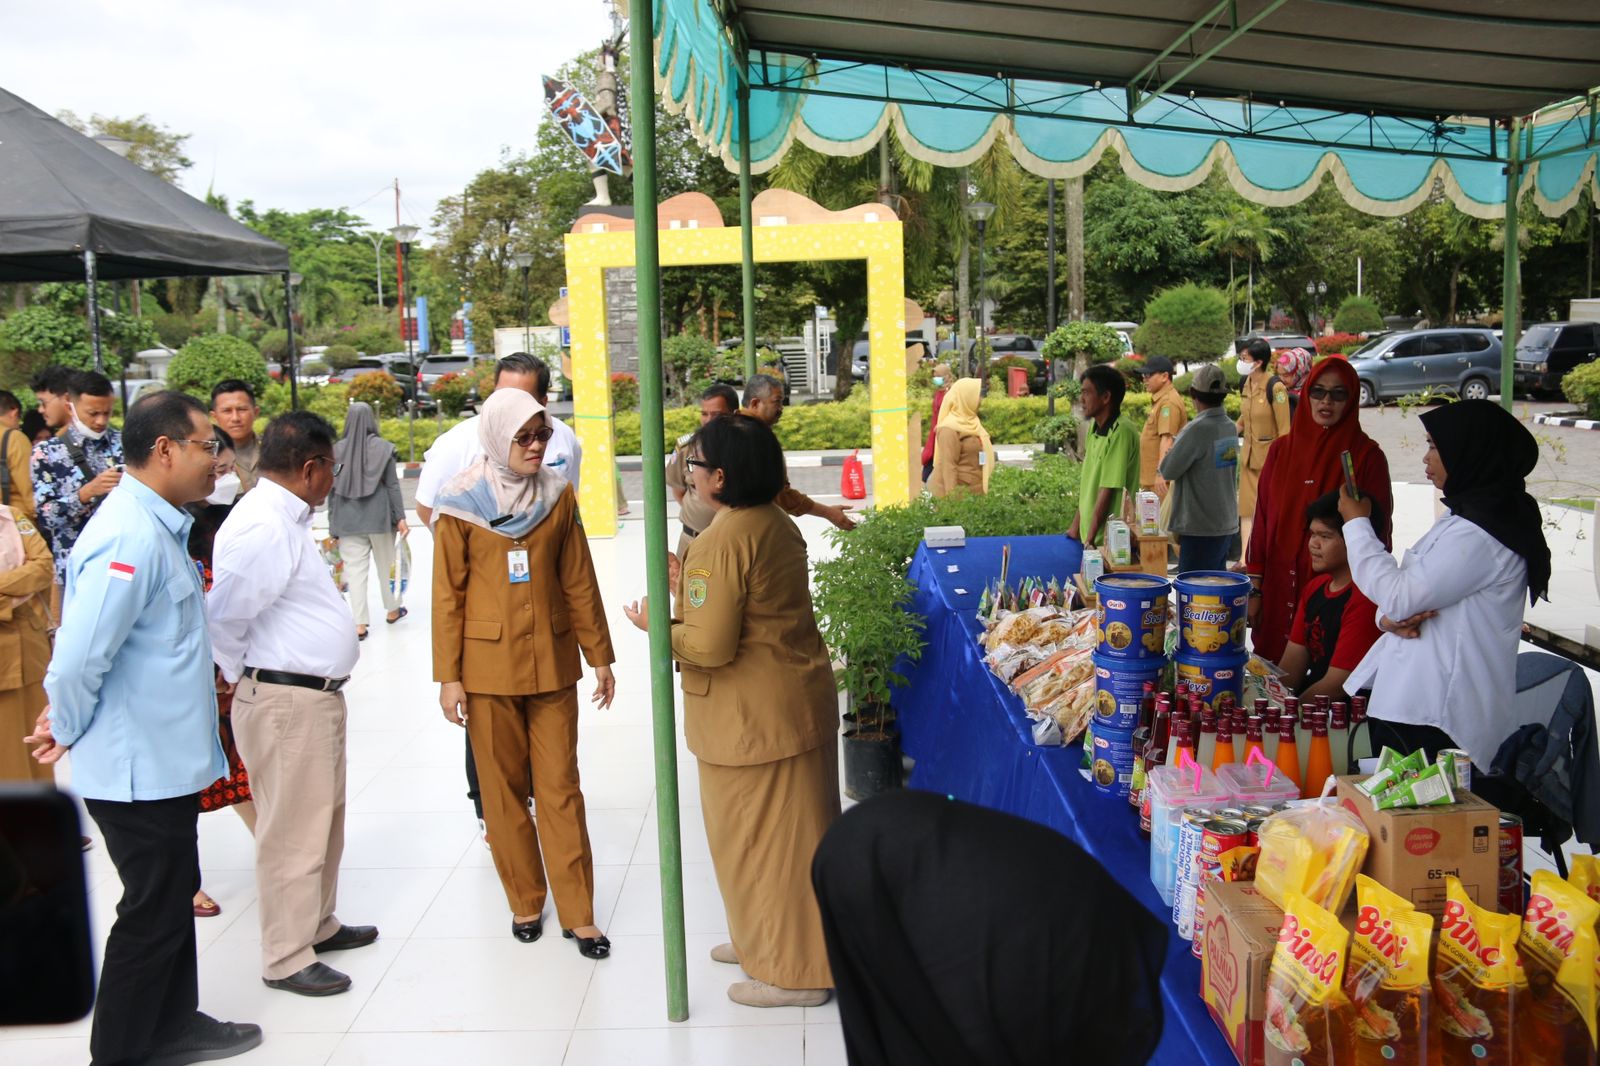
(132, 697)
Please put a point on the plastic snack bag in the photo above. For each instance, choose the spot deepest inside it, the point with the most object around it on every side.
(1307, 1022)
(1477, 982)
(1585, 874)
(1386, 978)
(1315, 850)
(1559, 950)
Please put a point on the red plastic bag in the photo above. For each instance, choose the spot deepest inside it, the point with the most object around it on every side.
(853, 481)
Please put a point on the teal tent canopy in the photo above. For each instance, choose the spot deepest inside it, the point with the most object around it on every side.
(1266, 107)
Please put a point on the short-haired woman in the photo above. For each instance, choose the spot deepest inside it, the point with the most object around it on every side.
(760, 713)
(514, 599)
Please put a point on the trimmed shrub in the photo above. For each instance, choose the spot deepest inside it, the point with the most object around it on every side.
(214, 357)
(1357, 314)
(1336, 343)
(340, 356)
(452, 391)
(1188, 323)
(379, 390)
(1096, 341)
(1582, 386)
(624, 392)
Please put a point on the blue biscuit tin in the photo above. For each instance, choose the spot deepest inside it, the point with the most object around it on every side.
(1119, 688)
(1111, 771)
(1212, 678)
(1212, 605)
(1132, 615)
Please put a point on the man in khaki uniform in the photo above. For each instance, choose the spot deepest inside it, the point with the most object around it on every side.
(1166, 420)
(763, 398)
(694, 514)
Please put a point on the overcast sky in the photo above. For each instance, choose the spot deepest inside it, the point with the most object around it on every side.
(309, 103)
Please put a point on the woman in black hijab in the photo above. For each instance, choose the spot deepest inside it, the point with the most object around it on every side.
(1444, 672)
(961, 935)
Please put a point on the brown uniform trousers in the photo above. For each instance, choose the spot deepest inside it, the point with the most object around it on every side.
(1263, 418)
(514, 648)
(1167, 418)
(24, 654)
(760, 714)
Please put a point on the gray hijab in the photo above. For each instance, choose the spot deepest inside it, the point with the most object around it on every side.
(365, 455)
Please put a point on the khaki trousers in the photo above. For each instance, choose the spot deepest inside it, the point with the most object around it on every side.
(293, 741)
(513, 738)
(362, 554)
(19, 710)
(764, 823)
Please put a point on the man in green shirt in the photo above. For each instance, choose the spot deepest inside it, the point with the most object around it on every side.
(1110, 455)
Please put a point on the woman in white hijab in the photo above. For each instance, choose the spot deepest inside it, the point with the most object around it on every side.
(514, 601)
(365, 512)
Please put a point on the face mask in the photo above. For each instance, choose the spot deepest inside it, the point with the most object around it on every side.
(83, 430)
(938, 381)
(1245, 367)
(226, 490)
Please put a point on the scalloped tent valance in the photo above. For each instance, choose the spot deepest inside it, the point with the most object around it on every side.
(1272, 152)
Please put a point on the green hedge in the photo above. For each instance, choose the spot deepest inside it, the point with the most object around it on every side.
(1582, 386)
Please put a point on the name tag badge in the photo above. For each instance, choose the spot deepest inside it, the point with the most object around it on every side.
(517, 567)
(983, 458)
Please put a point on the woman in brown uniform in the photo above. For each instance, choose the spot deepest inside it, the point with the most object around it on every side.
(1263, 418)
(963, 456)
(25, 577)
(759, 712)
(514, 598)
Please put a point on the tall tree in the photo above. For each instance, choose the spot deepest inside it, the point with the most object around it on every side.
(1243, 232)
(154, 147)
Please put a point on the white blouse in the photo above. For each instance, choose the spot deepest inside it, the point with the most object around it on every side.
(1460, 674)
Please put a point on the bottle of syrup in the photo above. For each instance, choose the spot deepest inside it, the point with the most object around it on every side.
(1223, 754)
(1287, 757)
(1319, 761)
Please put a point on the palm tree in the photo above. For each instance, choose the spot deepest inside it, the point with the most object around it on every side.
(1243, 233)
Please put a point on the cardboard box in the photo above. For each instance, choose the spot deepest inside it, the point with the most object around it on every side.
(1413, 849)
(1241, 929)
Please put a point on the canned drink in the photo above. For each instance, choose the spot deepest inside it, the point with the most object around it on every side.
(1254, 825)
(1191, 832)
(1198, 940)
(1221, 835)
(1460, 765)
(1512, 897)
(1260, 810)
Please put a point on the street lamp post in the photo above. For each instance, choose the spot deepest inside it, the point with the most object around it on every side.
(294, 281)
(377, 260)
(1316, 290)
(524, 260)
(403, 236)
(980, 211)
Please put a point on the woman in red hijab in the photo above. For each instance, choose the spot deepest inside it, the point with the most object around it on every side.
(1300, 467)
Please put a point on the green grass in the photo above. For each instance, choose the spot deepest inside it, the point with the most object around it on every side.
(1583, 503)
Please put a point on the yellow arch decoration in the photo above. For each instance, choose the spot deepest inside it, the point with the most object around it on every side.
(872, 233)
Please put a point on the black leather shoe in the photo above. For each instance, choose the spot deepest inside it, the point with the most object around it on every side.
(528, 932)
(597, 947)
(348, 936)
(206, 1040)
(318, 979)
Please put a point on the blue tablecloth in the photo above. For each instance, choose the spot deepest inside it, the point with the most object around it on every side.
(970, 739)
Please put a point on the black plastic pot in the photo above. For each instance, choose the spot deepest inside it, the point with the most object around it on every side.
(872, 763)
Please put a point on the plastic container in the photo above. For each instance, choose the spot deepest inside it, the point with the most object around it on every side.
(1132, 615)
(1120, 688)
(1211, 613)
(1111, 772)
(1257, 782)
(1210, 677)
(1174, 789)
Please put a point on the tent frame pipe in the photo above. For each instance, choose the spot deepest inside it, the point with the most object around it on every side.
(746, 232)
(91, 276)
(1509, 324)
(1139, 96)
(647, 263)
(294, 353)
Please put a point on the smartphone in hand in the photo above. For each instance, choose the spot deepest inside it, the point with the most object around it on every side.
(1349, 474)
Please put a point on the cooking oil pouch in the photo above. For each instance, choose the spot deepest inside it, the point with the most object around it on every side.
(1386, 977)
(1304, 985)
(1559, 950)
(1477, 979)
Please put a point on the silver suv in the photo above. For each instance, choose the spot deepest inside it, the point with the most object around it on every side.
(1465, 362)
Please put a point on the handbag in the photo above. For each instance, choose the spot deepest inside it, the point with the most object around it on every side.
(400, 569)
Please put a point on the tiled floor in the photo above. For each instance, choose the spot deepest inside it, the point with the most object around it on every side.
(446, 983)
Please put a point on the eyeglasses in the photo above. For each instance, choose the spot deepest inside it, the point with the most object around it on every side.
(523, 440)
(701, 463)
(1337, 395)
(213, 445)
(337, 467)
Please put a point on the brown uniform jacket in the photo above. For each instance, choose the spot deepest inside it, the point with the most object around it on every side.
(1167, 419)
(18, 458)
(504, 639)
(25, 627)
(757, 679)
(1263, 418)
(957, 463)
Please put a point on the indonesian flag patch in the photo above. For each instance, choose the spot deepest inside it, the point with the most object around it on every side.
(122, 571)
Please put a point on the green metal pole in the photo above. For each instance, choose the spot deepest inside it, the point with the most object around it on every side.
(746, 231)
(647, 267)
(1509, 326)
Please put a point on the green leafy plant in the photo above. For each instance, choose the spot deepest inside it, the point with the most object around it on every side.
(381, 391)
(1358, 314)
(1188, 323)
(315, 368)
(1057, 431)
(624, 392)
(1083, 344)
(340, 356)
(215, 357)
(686, 360)
(452, 391)
(1582, 387)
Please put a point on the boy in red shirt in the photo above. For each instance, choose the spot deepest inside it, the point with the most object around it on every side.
(1334, 624)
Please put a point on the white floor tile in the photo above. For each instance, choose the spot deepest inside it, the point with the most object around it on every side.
(50, 1051)
(448, 985)
(231, 988)
(387, 840)
(691, 836)
(544, 1048)
(413, 789)
(290, 1049)
(472, 904)
(633, 995)
(639, 909)
(777, 1045)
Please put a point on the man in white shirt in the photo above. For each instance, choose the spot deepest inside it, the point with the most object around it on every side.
(458, 447)
(281, 631)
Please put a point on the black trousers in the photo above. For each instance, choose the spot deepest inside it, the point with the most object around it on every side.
(149, 988)
(1407, 738)
(472, 779)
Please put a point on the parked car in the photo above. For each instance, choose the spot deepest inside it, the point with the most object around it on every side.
(394, 364)
(1280, 341)
(1549, 350)
(1463, 361)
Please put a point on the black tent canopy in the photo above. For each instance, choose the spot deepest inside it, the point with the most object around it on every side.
(62, 194)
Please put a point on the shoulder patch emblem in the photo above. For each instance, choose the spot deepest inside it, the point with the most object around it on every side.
(685, 439)
(1282, 396)
(1165, 410)
(25, 527)
(696, 590)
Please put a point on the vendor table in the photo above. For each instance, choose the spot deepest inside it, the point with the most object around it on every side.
(971, 740)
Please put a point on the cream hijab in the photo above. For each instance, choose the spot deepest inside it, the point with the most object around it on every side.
(12, 553)
(489, 493)
(959, 412)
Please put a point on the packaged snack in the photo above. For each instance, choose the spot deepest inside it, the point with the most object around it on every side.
(1559, 953)
(1307, 1021)
(1432, 787)
(1585, 874)
(1386, 979)
(1314, 850)
(1061, 672)
(1477, 980)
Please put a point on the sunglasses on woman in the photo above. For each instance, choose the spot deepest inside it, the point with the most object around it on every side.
(1337, 395)
(526, 438)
